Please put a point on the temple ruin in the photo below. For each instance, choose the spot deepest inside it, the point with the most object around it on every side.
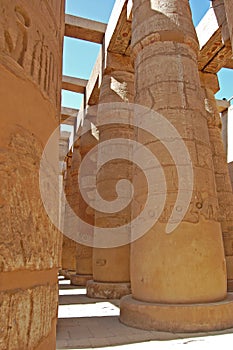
(150, 133)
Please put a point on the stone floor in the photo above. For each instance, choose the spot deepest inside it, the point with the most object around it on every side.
(85, 323)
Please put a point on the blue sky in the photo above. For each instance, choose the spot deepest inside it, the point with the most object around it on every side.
(80, 56)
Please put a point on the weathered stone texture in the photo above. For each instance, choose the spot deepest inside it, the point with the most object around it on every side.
(68, 245)
(84, 262)
(30, 73)
(230, 167)
(107, 290)
(229, 13)
(222, 178)
(23, 219)
(177, 317)
(80, 279)
(25, 40)
(68, 254)
(80, 255)
(26, 316)
(112, 264)
(167, 81)
(188, 265)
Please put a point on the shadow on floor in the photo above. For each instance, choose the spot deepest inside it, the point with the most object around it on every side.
(85, 323)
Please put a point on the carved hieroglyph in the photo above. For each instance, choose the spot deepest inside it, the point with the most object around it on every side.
(26, 46)
(222, 178)
(83, 254)
(112, 264)
(68, 246)
(23, 220)
(178, 279)
(30, 73)
(187, 265)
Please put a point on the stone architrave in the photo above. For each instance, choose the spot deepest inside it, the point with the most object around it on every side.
(31, 39)
(178, 280)
(229, 14)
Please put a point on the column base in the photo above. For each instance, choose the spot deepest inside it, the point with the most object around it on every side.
(177, 317)
(230, 285)
(49, 342)
(62, 272)
(67, 273)
(105, 290)
(80, 280)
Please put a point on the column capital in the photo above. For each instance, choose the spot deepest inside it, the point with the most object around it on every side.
(118, 62)
(210, 81)
(167, 22)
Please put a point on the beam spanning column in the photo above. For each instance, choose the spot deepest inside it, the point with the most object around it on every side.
(172, 273)
(111, 265)
(214, 39)
(84, 29)
(229, 14)
(74, 84)
(68, 115)
(222, 178)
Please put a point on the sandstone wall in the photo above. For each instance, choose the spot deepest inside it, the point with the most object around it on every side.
(31, 35)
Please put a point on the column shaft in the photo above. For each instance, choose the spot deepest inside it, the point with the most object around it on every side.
(84, 254)
(187, 266)
(68, 245)
(222, 178)
(167, 80)
(30, 73)
(111, 265)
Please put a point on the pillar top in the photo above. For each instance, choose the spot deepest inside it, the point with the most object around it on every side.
(210, 81)
(154, 21)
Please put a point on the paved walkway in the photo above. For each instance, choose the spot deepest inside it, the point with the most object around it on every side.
(85, 323)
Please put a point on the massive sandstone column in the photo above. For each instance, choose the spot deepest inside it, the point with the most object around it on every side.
(222, 178)
(68, 245)
(31, 37)
(228, 4)
(111, 265)
(81, 208)
(179, 279)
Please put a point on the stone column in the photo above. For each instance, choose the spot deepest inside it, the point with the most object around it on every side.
(68, 257)
(68, 245)
(226, 118)
(179, 279)
(223, 183)
(83, 253)
(224, 122)
(230, 142)
(30, 73)
(111, 265)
